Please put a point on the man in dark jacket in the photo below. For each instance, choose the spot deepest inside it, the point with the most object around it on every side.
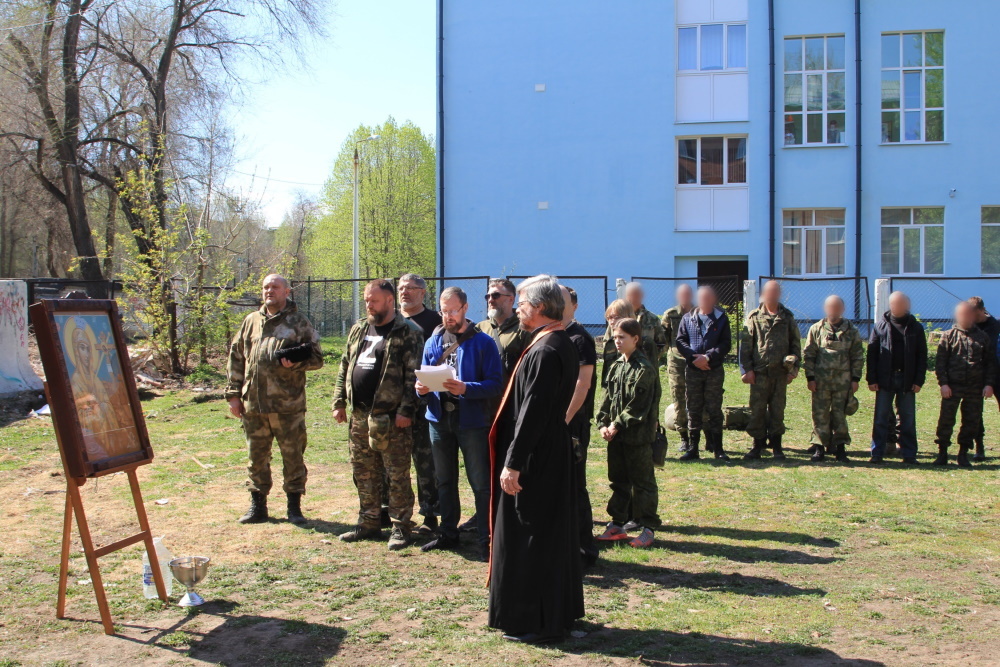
(704, 340)
(966, 370)
(897, 367)
(991, 327)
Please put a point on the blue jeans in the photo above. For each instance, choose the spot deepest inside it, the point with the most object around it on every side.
(446, 441)
(885, 418)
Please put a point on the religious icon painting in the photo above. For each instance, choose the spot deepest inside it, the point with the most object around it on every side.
(92, 392)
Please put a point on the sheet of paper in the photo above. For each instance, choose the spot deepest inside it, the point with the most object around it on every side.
(434, 376)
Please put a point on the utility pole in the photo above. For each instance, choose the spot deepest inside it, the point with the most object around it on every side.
(355, 257)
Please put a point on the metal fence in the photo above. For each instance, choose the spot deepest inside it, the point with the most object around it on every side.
(660, 296)
(933, 299)
(805, 297)
(60, 288)
(592, 299)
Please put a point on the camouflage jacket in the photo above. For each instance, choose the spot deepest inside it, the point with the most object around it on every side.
(767, 339)
(654, 338)
(966, 361)
(671, 322)
(632, 400)
(833, 354)
(256, 377)
(609, 354)
(404, 348)
(511, 340)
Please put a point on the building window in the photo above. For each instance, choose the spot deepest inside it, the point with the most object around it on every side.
(912, 87)
(990, 258)
(815, 88)
(712, 161)
(912, 241)
(712, 47)
(813, 242)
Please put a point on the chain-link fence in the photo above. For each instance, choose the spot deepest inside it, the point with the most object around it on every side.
(805, 297)
(933, 299)
(661, 296)
(592, 299)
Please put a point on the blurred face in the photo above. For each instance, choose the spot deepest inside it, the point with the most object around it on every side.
(634, 295)
(625, 343)
(379, 304)
(275, 292)
(706, 300)
(684, 296)
(453, 314)
(899, 304)
(771, 294)
(833, 308)
(499, 302)
(569, 309)
(965, 316)
(411, 295)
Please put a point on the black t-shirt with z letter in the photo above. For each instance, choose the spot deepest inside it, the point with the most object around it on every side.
(368, 368)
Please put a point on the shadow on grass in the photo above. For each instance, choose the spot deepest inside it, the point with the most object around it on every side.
(746, 554)
(660, 647)
(745, 534)
(243, 639)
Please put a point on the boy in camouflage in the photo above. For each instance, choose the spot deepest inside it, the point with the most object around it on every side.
(267, 391)
(834, 359)
(375, 381)
(966, 370)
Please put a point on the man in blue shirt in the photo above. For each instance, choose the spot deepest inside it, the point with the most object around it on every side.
(460, 417)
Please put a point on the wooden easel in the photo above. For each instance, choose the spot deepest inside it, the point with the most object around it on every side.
(74, 505)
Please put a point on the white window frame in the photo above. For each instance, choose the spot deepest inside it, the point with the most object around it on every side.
(923, 109)
(824, 242)
(725, 48)
(923, 240)
(725, 161)
(825, 112)
(982, 228)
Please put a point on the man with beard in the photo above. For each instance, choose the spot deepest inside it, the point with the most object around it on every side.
(412, 290)
(991, 327)
(460, 417)
(536, 582)
(376, 382)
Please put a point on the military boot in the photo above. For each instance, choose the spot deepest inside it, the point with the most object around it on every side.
(716, 439)
(758, 446)
(399, 539)
(942, 457)
(778, 454)
(295, 509)
(842, 453)
(692, 453)
(258, 509)
(963, 456)
(818, 453)
(685, 441)
(362, 532)
(980, 454)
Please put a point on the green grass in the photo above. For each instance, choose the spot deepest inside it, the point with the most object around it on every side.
(758, 563)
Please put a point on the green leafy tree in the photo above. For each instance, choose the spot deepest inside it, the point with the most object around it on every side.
(396, 206)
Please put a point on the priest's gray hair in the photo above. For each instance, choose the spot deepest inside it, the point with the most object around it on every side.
(542, 292)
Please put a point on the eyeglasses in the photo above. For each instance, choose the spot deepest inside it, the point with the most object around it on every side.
(526, 304)
(410, 288)
(451, 313)
(496, 295)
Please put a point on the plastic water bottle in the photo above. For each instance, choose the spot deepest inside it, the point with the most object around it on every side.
(163, 557)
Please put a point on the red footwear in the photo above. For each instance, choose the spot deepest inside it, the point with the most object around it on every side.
(613, 533)
(644, 540)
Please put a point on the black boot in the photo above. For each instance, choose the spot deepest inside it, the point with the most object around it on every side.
(716, 439)
(980, 454)
(818, 453)
(758, 446)
(963, 456)
(778, 454)
(685, 442)
(942, 457)
(694, 436)
(842, 454)
(295, 509)
(258, 509)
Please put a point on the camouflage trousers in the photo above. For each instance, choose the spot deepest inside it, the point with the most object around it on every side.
(678, 391)
(703, 394)
(971, 405)
(767, 404)
(829, 419)
(290, 431)
(370, 467)
(423, 466)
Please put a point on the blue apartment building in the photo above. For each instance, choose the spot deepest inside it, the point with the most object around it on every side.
(824, 139)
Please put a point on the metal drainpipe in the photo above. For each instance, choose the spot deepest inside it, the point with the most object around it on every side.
(857, 159)
(771, 137)
(440, 135)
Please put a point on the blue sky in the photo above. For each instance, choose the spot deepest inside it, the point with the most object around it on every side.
(379, 60)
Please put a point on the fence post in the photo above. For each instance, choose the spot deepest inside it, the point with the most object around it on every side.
(750, 301)
(620, 288)
(882, 291)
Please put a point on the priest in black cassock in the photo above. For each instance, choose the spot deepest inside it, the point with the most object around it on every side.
(536, 573)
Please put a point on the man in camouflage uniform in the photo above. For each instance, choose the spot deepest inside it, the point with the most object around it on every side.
(769, 360)
(654, 338)
(676, 364)
(966, 370)
(376, 382)
(991, 327)
(834, 359)
(267, 391)
(501, 324)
